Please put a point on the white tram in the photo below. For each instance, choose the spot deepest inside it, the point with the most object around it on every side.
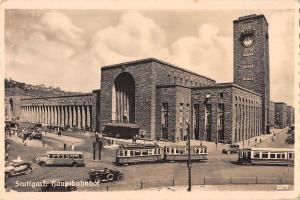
(272, 156)
(180, 153)
(139, 153)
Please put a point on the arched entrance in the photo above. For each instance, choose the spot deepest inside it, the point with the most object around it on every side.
(123, 99)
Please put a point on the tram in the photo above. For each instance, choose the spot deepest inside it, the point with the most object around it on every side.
(145, 153)
(266, 156)
(180, 153)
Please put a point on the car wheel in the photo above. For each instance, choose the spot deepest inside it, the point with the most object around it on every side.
(28, 171)
(12, 172)
(110, 177)
(120, 177)
(74, 164)
(97, 179)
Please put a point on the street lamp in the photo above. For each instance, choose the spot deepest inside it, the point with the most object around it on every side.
(189, 163)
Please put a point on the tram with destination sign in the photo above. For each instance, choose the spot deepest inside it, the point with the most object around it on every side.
(266, 156)
(151, 153)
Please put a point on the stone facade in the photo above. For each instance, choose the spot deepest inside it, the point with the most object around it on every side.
(251, 58)
(290, 115)
(272, 114)
(147, 75)
(280, 115)
(76, 110)
(227, 113)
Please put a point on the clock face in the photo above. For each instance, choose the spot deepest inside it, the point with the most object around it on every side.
(247, 41)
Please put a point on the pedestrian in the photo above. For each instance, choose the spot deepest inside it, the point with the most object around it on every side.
(259, 140)
(43, 143)
(65, 146)
(133, 138)
(249, 142)
(73, 147)
(255, 140)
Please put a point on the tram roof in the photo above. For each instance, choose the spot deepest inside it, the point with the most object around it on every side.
(64, 152)
(269, 149)
(184, 146)
(138, 146)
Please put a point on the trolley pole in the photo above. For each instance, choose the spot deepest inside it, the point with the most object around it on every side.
(189, 164)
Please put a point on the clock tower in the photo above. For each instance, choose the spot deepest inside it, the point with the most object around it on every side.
(251, 59)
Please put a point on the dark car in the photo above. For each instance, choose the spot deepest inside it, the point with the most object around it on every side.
(16, 167)
(105, 175)
(232, 148)
(35, 136)
(290, 139)
(56, 185)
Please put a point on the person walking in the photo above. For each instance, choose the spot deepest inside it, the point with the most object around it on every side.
(73, 147)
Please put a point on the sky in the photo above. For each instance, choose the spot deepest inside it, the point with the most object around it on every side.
(67, 48)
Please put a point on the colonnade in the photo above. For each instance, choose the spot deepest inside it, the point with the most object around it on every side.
(79, 116)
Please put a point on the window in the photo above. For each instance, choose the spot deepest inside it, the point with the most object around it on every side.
(196, 121)
(208, 120)
(220, 122)
(278, 156)
(272, 155)
(164, 115)
(291, 155)
(125, 153)
(145, 152)
(131, 153)
(51, 156)
(256, 155)
(137, 152)
(221, 94)
(264, 155)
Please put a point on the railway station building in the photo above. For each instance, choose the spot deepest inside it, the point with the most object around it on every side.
(159, 100)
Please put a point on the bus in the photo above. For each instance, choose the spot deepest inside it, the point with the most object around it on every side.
(61, 158)
(151, 153)
(271, 156)
(138, 153)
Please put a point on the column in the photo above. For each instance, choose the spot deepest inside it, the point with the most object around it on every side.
(88, 118)
(79, 116)
(74, 116)
(83, 117)
(68, 115)
(63, 115)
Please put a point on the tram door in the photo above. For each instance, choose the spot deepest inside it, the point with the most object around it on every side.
(245, 155)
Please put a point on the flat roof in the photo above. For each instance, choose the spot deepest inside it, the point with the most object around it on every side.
(63, 96)
(224, 85)
(248, 17)
(154, 60)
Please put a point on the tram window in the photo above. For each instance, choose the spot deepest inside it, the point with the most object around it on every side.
(196, 151)
(145, 152)
(177, 151)
(272, 155)
(55, 156)
(125, 153)
(131, 153)
(278, 155)
(256, 155)
(158, 151)
(76, 156)
(172, 151)
(151, 151)
(181, 151)
(283, 155)
(205, 151)
(290, 155)
(137, 153)
(264, 155)
(67, 156)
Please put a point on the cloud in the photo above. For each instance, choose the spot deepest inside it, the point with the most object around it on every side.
(209, 53)
(135, 36)
(281, 56)
(57, 25)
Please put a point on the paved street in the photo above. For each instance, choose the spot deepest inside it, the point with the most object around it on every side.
(140, 175)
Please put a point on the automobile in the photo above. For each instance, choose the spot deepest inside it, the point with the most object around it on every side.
(105, 175)
(35, 136)
(232, 148)
(16, 167)
(290, 139)
(39, 125)
(291, 129)
(56, 185)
